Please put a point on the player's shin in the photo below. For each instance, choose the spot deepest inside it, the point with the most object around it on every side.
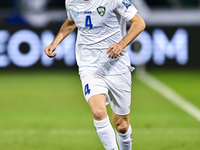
(125, 140)
(106, 134)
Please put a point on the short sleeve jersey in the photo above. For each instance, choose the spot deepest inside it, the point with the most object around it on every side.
(100, 24)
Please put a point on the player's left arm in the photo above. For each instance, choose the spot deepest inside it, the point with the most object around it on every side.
(137, 26)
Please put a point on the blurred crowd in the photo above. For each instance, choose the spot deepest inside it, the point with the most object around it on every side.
(60, 3)
(173, 3)
(39, 13)
(36, 13)
(15, 3)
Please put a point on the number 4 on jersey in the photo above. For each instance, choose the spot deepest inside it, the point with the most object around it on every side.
(87, 90)
(88, 22)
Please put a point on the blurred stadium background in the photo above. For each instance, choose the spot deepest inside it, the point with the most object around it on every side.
(41, 100)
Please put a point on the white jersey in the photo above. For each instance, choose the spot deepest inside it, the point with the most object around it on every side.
(100, 23)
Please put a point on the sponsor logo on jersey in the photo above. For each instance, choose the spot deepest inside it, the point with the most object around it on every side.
(126, 3)
(75, 12)
(87, 12)
(101, 10)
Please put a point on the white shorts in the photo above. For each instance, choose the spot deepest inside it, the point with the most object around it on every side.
(117, 89)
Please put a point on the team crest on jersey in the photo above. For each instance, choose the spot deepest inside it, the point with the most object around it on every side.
(126, 3)
(101, 10)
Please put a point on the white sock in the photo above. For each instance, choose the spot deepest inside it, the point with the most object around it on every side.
(106, 134)
(125, 140)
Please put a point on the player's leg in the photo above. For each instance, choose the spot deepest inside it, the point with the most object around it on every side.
(123, 130)
(120, 101)
(94, 90)
(97, 105)
(102, 124)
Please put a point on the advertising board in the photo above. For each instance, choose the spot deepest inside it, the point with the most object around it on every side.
(163, 46)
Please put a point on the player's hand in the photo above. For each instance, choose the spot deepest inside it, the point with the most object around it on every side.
(49, 51)
(114, 50)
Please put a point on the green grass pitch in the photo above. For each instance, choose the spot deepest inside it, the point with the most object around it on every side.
(46, 110)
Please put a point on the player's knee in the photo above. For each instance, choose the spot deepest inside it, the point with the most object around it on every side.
(122, 127)
(99, 114)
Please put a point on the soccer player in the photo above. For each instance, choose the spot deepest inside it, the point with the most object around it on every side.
(104, 65)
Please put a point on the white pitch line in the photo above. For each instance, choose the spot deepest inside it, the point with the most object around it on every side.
(50, 131)
(169, 94)
(91, 131)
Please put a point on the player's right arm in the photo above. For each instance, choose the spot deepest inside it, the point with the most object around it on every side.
(67, 27)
